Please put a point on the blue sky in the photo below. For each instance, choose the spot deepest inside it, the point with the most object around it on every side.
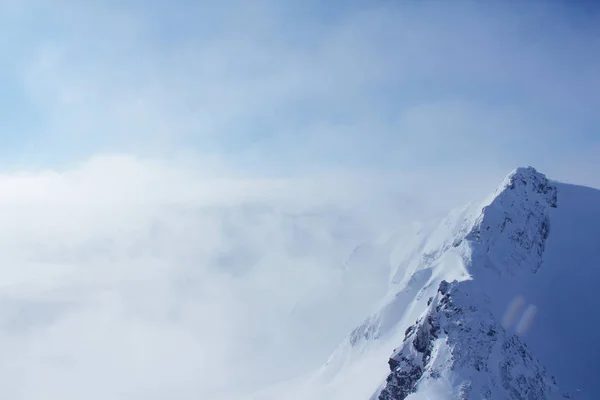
(279, 87)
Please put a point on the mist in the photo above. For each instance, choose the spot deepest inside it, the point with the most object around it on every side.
(131, 278)
(196, 197)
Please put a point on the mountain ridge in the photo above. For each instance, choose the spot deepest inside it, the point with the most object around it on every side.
(456, 334)
(507, 242)
(519, 264)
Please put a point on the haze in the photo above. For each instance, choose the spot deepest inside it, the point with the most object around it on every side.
(183, 182)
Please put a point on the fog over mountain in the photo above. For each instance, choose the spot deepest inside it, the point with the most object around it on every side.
(498, 290)
(234, 200)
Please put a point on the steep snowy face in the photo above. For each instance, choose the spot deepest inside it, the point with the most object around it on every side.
(531, 260)
(504, 295)
(505, 236)
(512, 229)
(458, 350)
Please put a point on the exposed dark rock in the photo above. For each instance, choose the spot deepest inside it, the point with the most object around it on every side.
(401, 383)
(471, 335)
(457, 333)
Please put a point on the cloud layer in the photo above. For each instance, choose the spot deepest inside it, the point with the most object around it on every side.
(131, 278)
(183, 183)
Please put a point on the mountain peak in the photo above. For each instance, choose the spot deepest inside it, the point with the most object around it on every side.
(480, 303)
(528, 171)
(522, 245)
(527, 182)
(512, 228)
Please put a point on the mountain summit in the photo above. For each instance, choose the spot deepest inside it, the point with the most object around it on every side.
(506, 324)
(496, 301)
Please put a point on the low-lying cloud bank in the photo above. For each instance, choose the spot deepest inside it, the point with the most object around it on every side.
(130, 278)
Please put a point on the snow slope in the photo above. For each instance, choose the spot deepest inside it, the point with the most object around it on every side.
(504, 299)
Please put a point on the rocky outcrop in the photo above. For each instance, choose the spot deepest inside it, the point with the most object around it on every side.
(512, 230)
(457, 338)
(458, 334)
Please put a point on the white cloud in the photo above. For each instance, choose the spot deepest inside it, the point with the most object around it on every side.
(208, 268)
(131, 278)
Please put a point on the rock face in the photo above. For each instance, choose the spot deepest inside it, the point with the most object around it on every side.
(512, 230)
(458, 349)
(457, 336)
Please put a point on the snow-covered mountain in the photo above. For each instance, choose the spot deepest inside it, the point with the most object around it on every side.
(497, 301)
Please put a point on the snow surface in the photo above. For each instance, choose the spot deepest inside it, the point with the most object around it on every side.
(501, 296)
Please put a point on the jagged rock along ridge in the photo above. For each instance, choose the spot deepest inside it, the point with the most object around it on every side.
(457, 336)
(460, 348)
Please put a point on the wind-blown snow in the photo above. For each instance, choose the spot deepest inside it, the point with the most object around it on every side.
(517, 321)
